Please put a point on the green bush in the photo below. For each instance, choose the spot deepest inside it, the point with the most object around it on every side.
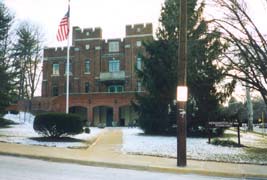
(101, 125)
(87, 130)
(5, 122)
(228, 143)
(58, 124)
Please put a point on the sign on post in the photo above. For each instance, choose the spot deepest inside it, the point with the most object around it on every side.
(225, 124)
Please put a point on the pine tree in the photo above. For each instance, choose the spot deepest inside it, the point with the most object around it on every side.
(157, 77)
(160, 70)
(6, 75)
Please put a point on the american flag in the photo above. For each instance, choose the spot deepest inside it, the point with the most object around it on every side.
(63, 28)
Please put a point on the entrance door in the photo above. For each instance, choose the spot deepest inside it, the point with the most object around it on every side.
(109, 117)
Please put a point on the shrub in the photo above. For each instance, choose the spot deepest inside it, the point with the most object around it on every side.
(87, 130)
(5, 122)
(58, 124)
(228, 143)
(101, 125)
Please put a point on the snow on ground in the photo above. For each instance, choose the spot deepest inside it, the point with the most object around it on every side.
(22, 117)
(23, 131)
(134, 142)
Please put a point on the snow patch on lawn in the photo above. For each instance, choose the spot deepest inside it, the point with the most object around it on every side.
(21, 118)
(23, 131)
(135, 142)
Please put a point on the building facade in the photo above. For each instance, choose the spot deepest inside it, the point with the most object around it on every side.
(103, 81)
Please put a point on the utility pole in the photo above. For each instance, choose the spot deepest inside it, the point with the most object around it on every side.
(249, 108)
(182, 86)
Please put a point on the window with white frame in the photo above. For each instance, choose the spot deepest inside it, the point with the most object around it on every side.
(138, 43)
(139, 63)
(114, 65)
(70, 68)
(55, 70)
(139, 86)
(87, 66)
(113, 46)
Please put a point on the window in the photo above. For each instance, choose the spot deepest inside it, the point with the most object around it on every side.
(138, 43)
(139, 63)
(114, 65)
(139, 86)
(87, 46)
(115, 88)
(55, 91)
(55, 69)
(65, 87)
(87, 87)
(119, 88)
(113, 46)
(70, 68)
(87, 66)
(111, 89)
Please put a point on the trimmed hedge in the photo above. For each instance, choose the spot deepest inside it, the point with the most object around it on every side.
(58, 124)
(5, 122)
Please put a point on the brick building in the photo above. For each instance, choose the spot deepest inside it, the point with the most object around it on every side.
(102, 75)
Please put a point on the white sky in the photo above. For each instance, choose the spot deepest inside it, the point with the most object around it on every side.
(111, 15)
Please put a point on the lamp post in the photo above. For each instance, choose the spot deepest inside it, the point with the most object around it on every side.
(182, 91)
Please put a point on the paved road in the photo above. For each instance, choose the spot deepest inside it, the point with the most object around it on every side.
(15, 168)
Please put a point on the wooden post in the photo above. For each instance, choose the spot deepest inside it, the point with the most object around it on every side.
(238, 132)
(182, 74)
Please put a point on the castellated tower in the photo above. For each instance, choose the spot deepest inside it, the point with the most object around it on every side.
(81, 36)
(139, 30)
(135, 36)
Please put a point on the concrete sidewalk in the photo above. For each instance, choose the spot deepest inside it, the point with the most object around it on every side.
(106, 152)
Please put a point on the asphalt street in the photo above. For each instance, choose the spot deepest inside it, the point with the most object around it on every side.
(16, 168)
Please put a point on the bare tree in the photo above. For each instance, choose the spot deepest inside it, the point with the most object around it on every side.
(27, 54)
(246, 58)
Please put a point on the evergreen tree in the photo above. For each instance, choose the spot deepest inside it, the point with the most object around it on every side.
(160, 70)
(6, 75)
(157, 77)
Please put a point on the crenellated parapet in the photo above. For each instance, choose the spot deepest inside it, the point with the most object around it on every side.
(56, 53)
(85, 34)
(139, 30)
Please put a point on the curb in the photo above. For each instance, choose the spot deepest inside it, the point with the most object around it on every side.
(175, 170)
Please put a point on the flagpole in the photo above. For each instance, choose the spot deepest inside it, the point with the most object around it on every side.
(68, 67)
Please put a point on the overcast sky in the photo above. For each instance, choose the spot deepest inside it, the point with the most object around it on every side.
(111, 15)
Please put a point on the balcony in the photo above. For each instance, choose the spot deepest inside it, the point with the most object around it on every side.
(112, 76)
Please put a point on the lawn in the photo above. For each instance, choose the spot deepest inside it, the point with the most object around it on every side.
(135, 142)
(22, 133)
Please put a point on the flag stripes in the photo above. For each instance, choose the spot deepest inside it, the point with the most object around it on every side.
(63, 28)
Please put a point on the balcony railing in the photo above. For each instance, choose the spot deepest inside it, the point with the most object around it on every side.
(112, 76)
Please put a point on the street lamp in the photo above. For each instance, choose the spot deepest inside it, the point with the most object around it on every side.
(182, 86)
